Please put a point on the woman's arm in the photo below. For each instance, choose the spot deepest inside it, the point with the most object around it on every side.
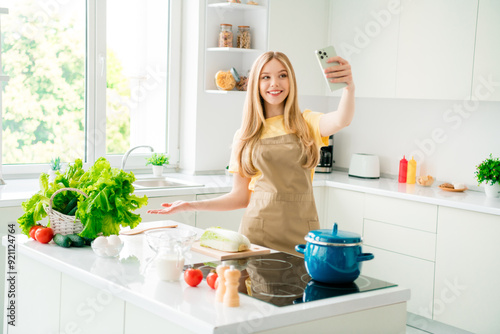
(333, 122)
(238, 198)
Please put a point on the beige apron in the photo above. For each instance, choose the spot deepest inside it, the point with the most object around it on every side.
(282, 209)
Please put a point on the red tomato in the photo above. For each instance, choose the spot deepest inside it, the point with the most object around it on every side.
(193, 277)
(211, 279)
(44, 235)
(33, 230)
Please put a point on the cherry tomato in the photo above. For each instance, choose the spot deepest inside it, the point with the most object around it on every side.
(211, 279)
(193, 277)
(44, 235)
(33, 230)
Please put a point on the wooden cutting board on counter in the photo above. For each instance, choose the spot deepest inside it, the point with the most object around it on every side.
(220, 255)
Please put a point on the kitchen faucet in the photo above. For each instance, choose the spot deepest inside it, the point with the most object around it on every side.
(125, 156)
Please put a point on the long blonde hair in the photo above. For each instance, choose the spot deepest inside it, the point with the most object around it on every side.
(254, 119)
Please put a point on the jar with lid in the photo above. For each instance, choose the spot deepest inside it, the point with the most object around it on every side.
(243, 37)
(226, 36)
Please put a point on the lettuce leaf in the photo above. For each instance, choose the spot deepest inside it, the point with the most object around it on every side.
(109, 204)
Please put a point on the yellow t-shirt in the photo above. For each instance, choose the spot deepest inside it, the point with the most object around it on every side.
(274, 127)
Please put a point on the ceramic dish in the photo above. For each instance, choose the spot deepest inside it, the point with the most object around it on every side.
(452, 190)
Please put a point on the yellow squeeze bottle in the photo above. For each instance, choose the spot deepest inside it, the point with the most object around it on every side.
(411, 172)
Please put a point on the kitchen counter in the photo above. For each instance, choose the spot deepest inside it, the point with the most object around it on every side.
(193, 309)
(17, 191)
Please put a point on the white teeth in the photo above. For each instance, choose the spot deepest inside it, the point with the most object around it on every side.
(275, 92)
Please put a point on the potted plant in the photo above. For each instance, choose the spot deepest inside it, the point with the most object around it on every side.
(54, 166)
(488, 174)
(157, 160)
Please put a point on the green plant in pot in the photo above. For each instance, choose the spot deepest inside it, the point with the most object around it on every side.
(54, 166)
(157, 160)
(488, 174)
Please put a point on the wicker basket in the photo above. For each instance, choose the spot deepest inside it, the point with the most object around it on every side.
(61, 223)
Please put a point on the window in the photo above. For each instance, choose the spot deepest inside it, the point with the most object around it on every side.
(87, 79)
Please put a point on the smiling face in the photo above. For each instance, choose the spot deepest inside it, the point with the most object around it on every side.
(274, 87)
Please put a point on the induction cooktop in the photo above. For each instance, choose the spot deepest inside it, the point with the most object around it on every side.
(281, 279)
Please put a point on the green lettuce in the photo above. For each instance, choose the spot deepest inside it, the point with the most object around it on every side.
(109, 204)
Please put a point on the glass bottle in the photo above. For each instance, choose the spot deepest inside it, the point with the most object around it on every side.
(226, 36)
(243, 37)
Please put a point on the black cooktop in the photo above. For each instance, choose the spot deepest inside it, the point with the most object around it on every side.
(281, 279)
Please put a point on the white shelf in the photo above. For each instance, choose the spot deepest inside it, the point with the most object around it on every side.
(230, 5)
(217, 91)
(236, 50)
(4, 78)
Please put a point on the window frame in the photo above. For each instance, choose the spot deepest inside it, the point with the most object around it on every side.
(95, 97)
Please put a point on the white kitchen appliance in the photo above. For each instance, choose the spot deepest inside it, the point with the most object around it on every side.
(365, 166)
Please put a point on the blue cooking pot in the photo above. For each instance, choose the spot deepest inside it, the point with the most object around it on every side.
(333, 256)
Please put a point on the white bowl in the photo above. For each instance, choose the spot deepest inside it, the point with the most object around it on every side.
(106, 250)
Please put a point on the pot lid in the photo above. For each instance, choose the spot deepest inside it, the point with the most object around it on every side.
(334, 236)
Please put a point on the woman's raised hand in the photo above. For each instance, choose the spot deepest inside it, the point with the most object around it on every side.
(169, 208)
(339, 73)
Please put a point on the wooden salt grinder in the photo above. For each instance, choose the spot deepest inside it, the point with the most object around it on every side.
(231, 297)
(221, 284)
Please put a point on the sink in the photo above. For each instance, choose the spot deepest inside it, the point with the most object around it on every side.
(162, 182)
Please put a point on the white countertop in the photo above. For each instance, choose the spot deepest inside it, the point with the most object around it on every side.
(17, 191)
(127, 278)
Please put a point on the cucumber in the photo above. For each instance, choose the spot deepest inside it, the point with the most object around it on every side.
(70, 205)
(62, 240)
(87, 241)
(73, 211)
(76, 240)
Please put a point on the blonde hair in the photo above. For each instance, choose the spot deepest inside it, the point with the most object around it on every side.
(254, 119)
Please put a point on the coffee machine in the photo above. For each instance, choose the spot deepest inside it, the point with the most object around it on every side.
(326, 161)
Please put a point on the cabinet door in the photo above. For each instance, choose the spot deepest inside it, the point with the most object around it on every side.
(225, 219)
(467, 270)
(37, 298)
(365, 32)
(298, 28)
(436, 49)
(346, 208)
(155, 203)
(487, 52)
(88, 309)
(405, 271)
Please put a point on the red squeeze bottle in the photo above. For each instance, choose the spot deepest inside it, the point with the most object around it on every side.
(403, 168)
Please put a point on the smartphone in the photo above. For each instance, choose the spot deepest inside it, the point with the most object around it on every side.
(322, 55)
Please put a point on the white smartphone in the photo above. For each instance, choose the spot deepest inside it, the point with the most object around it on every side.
(322, 55)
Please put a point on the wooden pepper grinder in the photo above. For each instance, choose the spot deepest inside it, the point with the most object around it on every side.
(231, 297)
(221, 282)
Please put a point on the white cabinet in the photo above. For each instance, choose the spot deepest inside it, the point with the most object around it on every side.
(436, 49)
(298, 28)
(155, 203)
(467, 270)
(402, 236)
(216, 59)
(86, 309)
(487, 52)
(225, 219)
(344, 207)
(365, 33)
(37, 296)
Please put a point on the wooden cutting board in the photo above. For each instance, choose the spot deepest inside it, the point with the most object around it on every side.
(220, 255)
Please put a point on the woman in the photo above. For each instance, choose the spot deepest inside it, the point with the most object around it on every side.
(274, 155)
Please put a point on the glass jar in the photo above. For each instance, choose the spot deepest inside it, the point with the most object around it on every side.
(226, 36)
(243, 37)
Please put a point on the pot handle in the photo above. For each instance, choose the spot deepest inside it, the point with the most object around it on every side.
(300, 248)
(362, 256)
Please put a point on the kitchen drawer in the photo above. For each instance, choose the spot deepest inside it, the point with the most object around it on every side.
(405, 271)
(399, 239)
(420, 216)
(344, 207)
